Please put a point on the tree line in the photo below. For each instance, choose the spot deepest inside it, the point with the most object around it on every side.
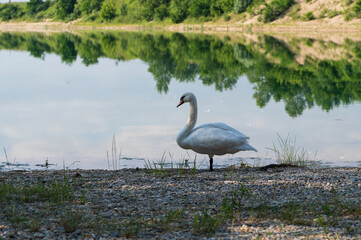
(214, 62)
(136, 11)
(167, 11)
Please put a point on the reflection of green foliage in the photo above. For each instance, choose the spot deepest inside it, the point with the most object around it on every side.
(90, 51)
(37, 48)
(269, 64)
(66, 48)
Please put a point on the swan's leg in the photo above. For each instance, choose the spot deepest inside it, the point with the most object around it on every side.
(211, 164)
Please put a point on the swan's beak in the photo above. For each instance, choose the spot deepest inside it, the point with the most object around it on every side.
(180, 103)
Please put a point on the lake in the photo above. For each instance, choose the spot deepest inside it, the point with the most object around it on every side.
(69, 98)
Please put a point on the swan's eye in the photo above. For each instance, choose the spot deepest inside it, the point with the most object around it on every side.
(182, 98)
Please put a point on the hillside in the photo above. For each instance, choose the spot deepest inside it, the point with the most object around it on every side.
(223, 15)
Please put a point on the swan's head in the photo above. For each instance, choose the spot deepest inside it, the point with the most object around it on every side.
(187, 97)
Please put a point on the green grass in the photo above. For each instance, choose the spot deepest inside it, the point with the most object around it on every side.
(70, 220)
(287, 152)
(159, 168)
(58, 191)
(204, 223)
(308, 16)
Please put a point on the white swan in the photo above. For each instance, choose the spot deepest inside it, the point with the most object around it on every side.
(212, 138)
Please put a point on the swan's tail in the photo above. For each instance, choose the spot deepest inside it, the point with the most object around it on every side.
(247, 147)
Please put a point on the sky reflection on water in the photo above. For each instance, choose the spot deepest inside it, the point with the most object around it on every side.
(50, 110)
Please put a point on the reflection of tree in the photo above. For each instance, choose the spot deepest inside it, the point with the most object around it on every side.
(268, 63)
(90, 50)
(37, 48)
(66, 48)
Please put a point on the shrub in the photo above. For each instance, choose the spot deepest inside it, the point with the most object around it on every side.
(89, 6)
(123, 9)
(178, 10)
(333, 13)
(357, 8)
(226, 18)
(294, 13)
(35, 6)
(323, 13)
(308, 16)
(349, 14)
(161, 12)
(64, 8)
(275, 9)
(241, 5)
(11, 11)
(108, 10)
(199, 8)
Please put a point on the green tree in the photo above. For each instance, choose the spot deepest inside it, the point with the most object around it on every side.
(161, 12)
(64, 8)
(178, 10)
(109, 10)
(227, 5)
(35, 6)
(216, 8)
(199, 8)
(88, 6)
(154, 9)
(123, 9)
(10, 11)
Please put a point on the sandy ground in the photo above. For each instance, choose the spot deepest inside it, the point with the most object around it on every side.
(334, 25)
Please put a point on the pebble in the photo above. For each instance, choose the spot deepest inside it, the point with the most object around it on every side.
(128, 194)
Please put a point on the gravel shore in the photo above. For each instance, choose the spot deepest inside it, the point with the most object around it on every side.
(232, 203)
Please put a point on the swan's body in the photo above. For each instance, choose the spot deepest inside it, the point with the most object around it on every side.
(212, 138)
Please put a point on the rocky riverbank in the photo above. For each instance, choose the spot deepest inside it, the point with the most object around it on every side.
(233, 203)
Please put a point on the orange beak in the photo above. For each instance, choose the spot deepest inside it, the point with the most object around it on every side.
(180, 103)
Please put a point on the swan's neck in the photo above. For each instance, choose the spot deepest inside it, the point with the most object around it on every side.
(192, 120)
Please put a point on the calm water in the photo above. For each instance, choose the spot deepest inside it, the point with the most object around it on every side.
(64, 96)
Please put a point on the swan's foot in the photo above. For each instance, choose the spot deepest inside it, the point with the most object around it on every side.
(211, 164)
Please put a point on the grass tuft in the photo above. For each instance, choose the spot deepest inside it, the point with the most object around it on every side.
(205, 223)
(287, 152)
(114, 158)
(70, 221)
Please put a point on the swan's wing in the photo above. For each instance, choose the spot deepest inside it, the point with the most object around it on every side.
(222, 126)
(216, 139)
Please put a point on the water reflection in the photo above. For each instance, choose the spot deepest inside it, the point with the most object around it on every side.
(272, 65)
(56, 110)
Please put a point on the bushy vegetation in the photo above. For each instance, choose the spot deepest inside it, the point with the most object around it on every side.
(275, 9)
(308, 16)
(174, 11)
